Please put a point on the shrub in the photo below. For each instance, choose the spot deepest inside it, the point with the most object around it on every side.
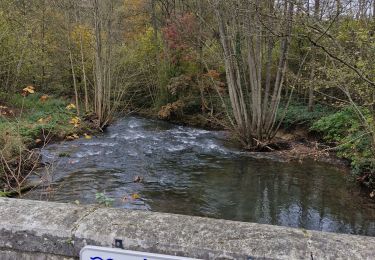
(298, 114)
(345, 129)
(11, 142)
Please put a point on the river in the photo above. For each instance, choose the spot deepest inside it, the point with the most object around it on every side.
(197, 172)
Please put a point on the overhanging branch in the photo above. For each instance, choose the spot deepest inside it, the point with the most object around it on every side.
(347, 64)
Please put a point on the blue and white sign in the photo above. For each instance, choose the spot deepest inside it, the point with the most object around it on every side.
(104, 253)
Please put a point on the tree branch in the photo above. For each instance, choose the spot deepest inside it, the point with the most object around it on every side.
(342, 61)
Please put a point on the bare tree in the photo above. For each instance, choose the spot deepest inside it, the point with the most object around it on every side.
(251, 31)
(110, 80)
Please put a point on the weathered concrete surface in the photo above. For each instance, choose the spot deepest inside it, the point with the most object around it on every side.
(13, 255)
(63, 229)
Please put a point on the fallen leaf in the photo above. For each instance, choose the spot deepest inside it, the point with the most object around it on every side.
(75, 121)
(28, 90)
(43, 98)
(135, 196)
(87, 136)
(71, 107)
(69, 138)
(44, 120)
(138, 179)
(72, 137)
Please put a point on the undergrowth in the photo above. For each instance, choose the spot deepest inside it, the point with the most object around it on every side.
(352, 140)
(34, 120)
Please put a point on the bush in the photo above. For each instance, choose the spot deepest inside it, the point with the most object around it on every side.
(298, 114)
(37, 119)
(10, 141)
(346, 130)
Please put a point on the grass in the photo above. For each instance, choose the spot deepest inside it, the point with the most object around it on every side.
(35, 122)
(35, 117)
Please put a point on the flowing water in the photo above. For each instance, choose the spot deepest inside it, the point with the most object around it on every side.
(196, 172)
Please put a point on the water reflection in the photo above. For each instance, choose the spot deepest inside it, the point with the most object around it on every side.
(191, 171)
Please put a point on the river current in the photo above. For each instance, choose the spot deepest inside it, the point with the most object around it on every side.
(152, 165)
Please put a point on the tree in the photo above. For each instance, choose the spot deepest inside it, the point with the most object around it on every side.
(251, 33)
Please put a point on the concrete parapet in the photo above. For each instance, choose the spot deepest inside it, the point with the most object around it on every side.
(33, 229)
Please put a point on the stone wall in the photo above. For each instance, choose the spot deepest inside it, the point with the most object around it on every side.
(46, 230)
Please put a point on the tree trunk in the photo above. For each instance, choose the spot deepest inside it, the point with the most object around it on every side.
(244, 40)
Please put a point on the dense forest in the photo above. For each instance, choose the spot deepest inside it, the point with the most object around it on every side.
(252, 67)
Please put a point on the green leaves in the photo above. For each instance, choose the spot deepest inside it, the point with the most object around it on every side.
(103, 199)
(347, 131)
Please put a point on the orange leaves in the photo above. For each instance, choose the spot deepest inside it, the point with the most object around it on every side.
(214, 74)
(43, 98)
(167, 111)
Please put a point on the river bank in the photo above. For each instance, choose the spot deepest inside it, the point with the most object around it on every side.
(49, 120)
(29, 122)
(298, 139)
(147, 164)
(293, 142)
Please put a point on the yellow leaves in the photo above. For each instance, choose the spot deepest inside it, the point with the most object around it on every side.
(76, 121)
(88, 137)
(82, 34)
(44, 120)
(139, 19)
(71, 107)
(28, 90)
(72, 137)
(136, 196)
